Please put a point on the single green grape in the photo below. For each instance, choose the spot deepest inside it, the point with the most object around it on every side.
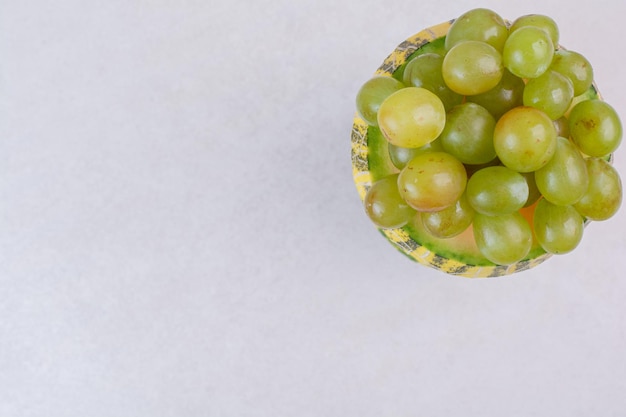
(504, 239)
(540, 21)
(472, 67)
(401, 156)
(432, 181)
(604, 194)
(478, 25)
(533, 191)
(372, 94)
(503, 97)
(468, 134)
(551, 93)
(524, 139)
(425, 71)
(411, 117)
(595, 127)
(450, 221)
(528, 52)
(384, 205)
(558, 229)
(575, 67)
(564, 179)
(497, 190)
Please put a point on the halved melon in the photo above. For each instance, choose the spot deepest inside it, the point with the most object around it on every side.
(370, 161)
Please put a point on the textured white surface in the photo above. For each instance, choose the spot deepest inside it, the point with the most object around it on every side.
(180, 234)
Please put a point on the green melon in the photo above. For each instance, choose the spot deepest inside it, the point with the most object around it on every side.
(458, 255)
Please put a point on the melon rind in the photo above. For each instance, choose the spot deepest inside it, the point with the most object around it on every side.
(434, 253)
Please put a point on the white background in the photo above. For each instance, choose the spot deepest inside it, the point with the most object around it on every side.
(180, 234)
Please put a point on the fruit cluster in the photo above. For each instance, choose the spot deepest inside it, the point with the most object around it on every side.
(496, 133)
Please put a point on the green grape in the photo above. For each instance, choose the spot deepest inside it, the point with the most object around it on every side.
(595, 127)
(411, 117)
(432, 181)
(528, 52)
(540, 21)
(497, 190)
(558, 229)
(503, 97)
(450, 221)
(562, 127)
(551, 93)
(575, 67)
(504, 239)
(533, 190)
(425, 71)
(524, 139)
(564, 179)
(372, 94)
(401, 156)
(478, 25)
(472, 67)
(384, 205)
(468, 134)
(604, 195)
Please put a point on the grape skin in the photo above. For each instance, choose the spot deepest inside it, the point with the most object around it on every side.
(595, 127)
(533, 191)
(562, 127)
(503, 97)
(497, 190)
(472, 67)
(558, 229)
(528, 52)
(480, 24)
(468, 134)
(401, 156)
(575, 67)
(432, 181)
(564, 179)
(540, 21)
(384, 205)
(450, 221)
(372, 94)
(604, 194)
(524, 139)
(504, 239)
(425, 71)
(551, 93)
(411, 117)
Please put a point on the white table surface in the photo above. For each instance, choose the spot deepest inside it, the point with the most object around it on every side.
(180, 234)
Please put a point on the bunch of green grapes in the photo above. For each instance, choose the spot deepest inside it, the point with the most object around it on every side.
(498, 125)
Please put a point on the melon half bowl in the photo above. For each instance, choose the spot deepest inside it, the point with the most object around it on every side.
(458, 255)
